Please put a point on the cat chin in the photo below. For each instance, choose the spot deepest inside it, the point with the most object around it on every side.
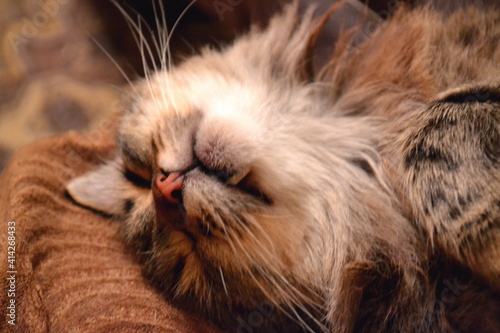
(205, 260)
(205, 276)
(196, 264)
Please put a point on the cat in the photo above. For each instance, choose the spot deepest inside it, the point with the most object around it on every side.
(362, 196)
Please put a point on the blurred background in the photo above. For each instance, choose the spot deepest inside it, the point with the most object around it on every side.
(55, 69)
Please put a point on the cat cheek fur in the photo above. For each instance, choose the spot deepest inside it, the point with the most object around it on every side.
(225, 144)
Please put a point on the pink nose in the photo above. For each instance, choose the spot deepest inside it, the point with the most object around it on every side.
(170, 186)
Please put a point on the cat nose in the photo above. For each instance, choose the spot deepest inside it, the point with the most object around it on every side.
(170, 186)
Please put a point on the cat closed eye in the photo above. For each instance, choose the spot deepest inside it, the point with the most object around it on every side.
(241, 180)
(137, 179)
(234, 178)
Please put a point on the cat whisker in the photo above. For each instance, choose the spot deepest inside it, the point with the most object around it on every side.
(297, 303)
(164, 48)
(301, 320)
(248, 269)
(156, 41)
(162, 32)
(251, 274)
(302, 295)
(258, 226)
(297, 299)
(115, 63)
(144, 47)
(287, 298)
(147, 70)
(173, 30)
(223, 281)
(167, 40)
(272, 253)
(274, 216)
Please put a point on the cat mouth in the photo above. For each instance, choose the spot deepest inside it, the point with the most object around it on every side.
(197, 201)
(170, 185)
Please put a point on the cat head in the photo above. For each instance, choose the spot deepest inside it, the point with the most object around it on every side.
(235, 176)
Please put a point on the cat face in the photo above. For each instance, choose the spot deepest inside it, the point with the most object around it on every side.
(241, 185)
(234, 178)
(236, 232)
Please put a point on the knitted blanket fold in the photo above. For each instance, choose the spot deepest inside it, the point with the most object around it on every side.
(65, 269)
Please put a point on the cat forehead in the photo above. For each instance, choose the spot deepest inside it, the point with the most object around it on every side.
(210, 92)
(200, 105)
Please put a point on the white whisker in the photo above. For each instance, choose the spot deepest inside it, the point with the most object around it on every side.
(140, 39)
(115, 63)
(272, 254)
(162, 52)
(259, 227)
(173, 30)
(223, 281)
(291, 303)
(162, 32)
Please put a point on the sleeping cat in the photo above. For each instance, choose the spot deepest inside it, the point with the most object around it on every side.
(364, 196)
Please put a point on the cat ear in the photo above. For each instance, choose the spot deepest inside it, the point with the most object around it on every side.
(105, 189)
(344, 25)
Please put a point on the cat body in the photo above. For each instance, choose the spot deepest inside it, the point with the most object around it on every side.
(351, 199)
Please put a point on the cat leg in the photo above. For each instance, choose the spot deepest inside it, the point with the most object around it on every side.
(451, 168)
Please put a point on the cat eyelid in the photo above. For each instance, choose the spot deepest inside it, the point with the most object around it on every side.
(241, 179)
(232, 178)
(136, 178)
(236, 178)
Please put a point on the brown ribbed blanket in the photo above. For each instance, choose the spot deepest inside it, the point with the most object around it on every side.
(73, 272)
